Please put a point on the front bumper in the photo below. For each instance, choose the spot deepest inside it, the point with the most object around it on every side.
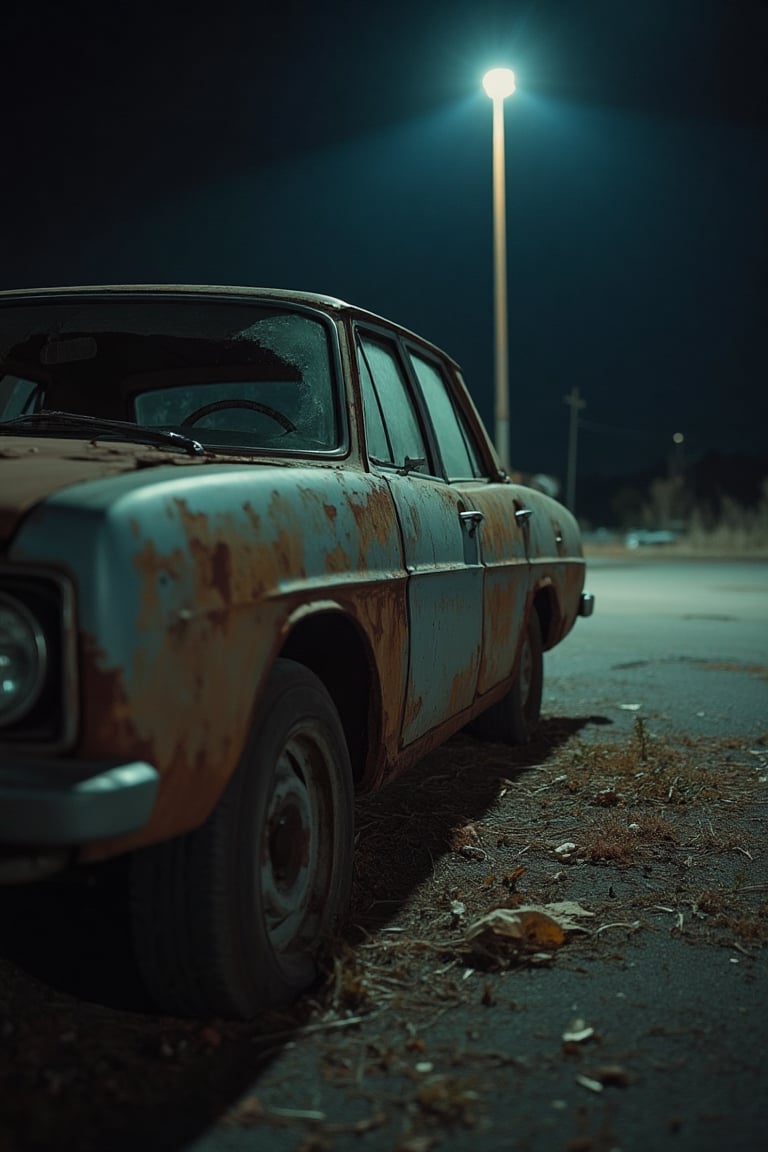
(64, 802)
(586, 604)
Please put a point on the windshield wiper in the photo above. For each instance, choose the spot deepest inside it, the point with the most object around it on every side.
(117, 429)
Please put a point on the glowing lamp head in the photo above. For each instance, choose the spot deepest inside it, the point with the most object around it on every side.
(499, 83)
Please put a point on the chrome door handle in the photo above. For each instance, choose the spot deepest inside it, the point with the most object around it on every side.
(523, 515)
(472, 520)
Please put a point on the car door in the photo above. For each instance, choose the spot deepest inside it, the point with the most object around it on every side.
(501, 533)
(440, 545)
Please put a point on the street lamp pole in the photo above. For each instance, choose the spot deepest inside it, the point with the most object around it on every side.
(576, 403)
(498, 84)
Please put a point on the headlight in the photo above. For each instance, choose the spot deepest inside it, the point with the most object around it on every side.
(23, 659)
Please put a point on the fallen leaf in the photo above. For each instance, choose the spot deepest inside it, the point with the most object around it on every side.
(533, 925)
(500, 922)
(540, 928)
(566, 912)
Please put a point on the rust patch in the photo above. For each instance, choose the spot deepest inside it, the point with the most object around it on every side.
(185, 708)
(503, 607)
(253, 516)
(381, 611)
(374, 518)
(413, 707)
(462, 688)
(337, 560)
(289, 541)
(221, 570)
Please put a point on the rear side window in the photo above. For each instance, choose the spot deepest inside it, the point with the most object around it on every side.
(392, 427)
(460, 458)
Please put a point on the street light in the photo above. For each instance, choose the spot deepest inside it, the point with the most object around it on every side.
(498, 84)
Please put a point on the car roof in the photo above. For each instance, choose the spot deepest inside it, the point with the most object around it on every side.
(309, 299)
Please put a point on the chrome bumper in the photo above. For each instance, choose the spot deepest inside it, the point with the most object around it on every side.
(65, 802)
(586, 604)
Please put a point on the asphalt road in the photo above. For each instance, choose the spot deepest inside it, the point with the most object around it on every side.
(675, 638)
(684, 645)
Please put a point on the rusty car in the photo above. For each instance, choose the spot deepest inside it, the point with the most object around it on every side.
(258, 555)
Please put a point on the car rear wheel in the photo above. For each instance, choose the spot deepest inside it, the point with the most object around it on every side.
(515, 718)
(230, 919)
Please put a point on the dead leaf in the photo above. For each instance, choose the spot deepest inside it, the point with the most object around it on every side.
(500, 923)
(566, 912)
(510, 879)
(531, 926)
(541, 929)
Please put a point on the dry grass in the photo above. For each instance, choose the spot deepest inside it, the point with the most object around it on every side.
(471, 830)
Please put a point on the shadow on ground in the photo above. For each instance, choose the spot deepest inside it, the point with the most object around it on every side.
(85, 1064)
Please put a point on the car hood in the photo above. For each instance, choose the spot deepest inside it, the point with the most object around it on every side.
(34, 467)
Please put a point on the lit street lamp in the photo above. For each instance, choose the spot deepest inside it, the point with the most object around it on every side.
(500, 83)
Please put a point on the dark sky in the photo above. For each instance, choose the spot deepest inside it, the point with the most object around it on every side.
(346, 148)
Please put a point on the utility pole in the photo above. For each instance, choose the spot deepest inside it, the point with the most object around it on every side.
(575, 403)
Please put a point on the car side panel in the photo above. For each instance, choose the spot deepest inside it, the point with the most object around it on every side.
(506, 579)
(186, 582)
(444, 601)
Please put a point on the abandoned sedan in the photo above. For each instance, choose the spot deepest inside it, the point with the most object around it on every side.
(257, 555)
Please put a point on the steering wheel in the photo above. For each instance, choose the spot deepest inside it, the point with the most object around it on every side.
(253, 405)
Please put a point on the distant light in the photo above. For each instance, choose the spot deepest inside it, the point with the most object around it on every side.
(499, 82)
(678, 438)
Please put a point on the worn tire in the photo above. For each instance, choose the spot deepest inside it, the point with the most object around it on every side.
(230, 918)
(515, 718)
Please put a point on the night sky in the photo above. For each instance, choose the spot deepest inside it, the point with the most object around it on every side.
(345, 148)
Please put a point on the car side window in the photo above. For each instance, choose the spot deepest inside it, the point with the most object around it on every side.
(379, 447)
(392, 426)
(457, 449)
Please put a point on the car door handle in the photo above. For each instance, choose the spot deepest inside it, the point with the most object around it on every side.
(523, 515)
(472, 520)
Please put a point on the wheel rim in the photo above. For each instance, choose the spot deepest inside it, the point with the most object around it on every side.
(296, 862)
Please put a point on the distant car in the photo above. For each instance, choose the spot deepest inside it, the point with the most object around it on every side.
(647, 537)
(258, 554)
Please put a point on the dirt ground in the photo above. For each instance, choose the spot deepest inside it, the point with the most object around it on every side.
(489, 882)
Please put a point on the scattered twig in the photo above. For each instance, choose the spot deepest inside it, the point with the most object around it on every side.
(632, 927)
(311, 1029)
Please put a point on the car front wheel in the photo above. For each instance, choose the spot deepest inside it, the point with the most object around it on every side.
(229, 919)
